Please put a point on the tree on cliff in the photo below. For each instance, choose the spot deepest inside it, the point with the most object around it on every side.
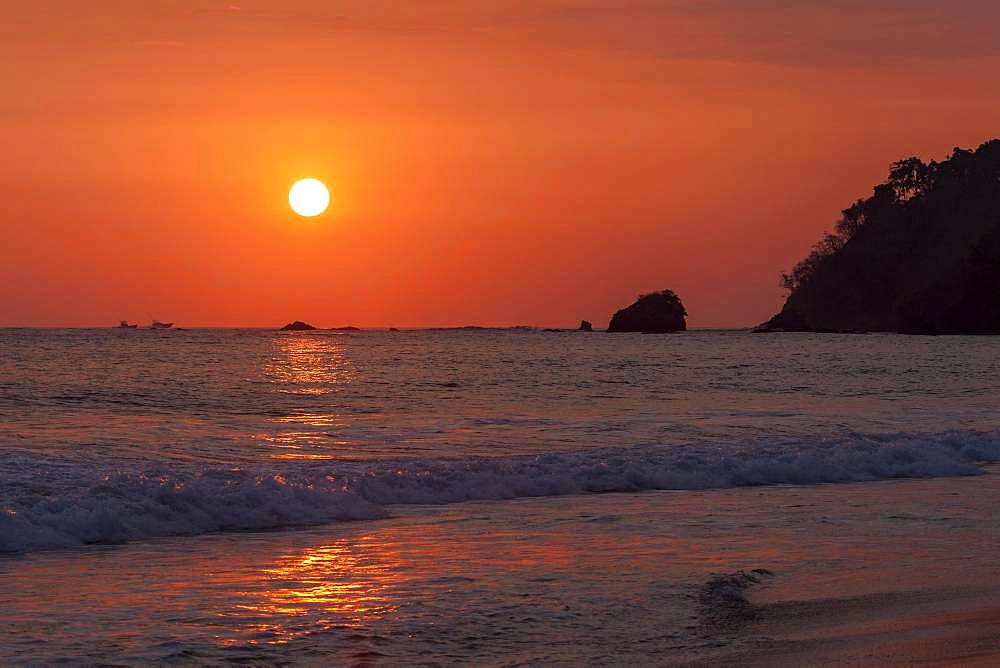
(918, 255)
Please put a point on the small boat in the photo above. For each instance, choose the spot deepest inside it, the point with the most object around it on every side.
(124, 325)
(161, 325)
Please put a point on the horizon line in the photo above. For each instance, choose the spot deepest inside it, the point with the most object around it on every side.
(361, 328)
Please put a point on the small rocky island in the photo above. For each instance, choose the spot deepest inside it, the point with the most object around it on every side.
(297, 326)
(585, 326)
(653, 313)
(920, 256)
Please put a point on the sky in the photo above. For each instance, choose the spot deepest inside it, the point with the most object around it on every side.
(492, 162)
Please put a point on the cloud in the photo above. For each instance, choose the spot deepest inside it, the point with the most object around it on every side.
(803, 33)
(793, 32)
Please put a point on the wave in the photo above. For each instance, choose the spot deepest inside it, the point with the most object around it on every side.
(48, 503)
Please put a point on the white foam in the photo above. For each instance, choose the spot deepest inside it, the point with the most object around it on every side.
(86, 504)
(48, 503)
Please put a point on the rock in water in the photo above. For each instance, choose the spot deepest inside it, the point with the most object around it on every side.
(297, 326)
(653, 313)
(921, 255)
(586, 326)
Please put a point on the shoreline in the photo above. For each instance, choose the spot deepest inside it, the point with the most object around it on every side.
(933, 627)
(855, 572)
(91, 502)
(874, 622)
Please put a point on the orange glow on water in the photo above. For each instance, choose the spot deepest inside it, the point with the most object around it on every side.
(343, 583)
(311, 364)
(308, 365)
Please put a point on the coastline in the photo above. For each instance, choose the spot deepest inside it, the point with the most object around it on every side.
(934, 627)
(858, 572)
(885, 617)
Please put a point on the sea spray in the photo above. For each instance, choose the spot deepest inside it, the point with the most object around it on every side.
(51, 503)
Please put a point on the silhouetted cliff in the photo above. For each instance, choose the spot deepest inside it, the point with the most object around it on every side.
(653, 313)
(921, 255)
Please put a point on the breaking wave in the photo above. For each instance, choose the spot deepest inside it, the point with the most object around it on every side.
(48, 503)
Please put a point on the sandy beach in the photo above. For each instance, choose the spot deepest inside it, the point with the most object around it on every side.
(933, 599)
(922, 628)
(899, 572)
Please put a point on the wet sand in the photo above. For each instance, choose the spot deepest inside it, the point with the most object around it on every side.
(923, 628)
(887, 615)
(897, 572)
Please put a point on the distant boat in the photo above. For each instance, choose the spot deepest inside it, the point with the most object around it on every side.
(124, 325)
(161, 325)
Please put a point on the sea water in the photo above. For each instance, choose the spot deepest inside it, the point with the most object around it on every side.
(154, 454)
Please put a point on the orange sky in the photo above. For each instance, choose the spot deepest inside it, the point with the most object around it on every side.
(490, 162)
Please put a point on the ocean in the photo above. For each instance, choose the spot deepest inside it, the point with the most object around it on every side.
(446, 495)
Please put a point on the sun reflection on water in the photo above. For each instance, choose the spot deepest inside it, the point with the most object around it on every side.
(310, 367)
(340, 585)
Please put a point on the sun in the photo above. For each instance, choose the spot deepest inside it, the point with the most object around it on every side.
(309, 197)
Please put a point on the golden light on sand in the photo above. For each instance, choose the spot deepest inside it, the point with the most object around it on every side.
(309, 197)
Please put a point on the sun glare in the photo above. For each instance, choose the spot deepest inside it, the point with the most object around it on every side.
(309, 197)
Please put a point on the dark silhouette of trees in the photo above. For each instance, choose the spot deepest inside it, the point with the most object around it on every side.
(667, 298)
(911, 256)
(911, 178)
(908, 179)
